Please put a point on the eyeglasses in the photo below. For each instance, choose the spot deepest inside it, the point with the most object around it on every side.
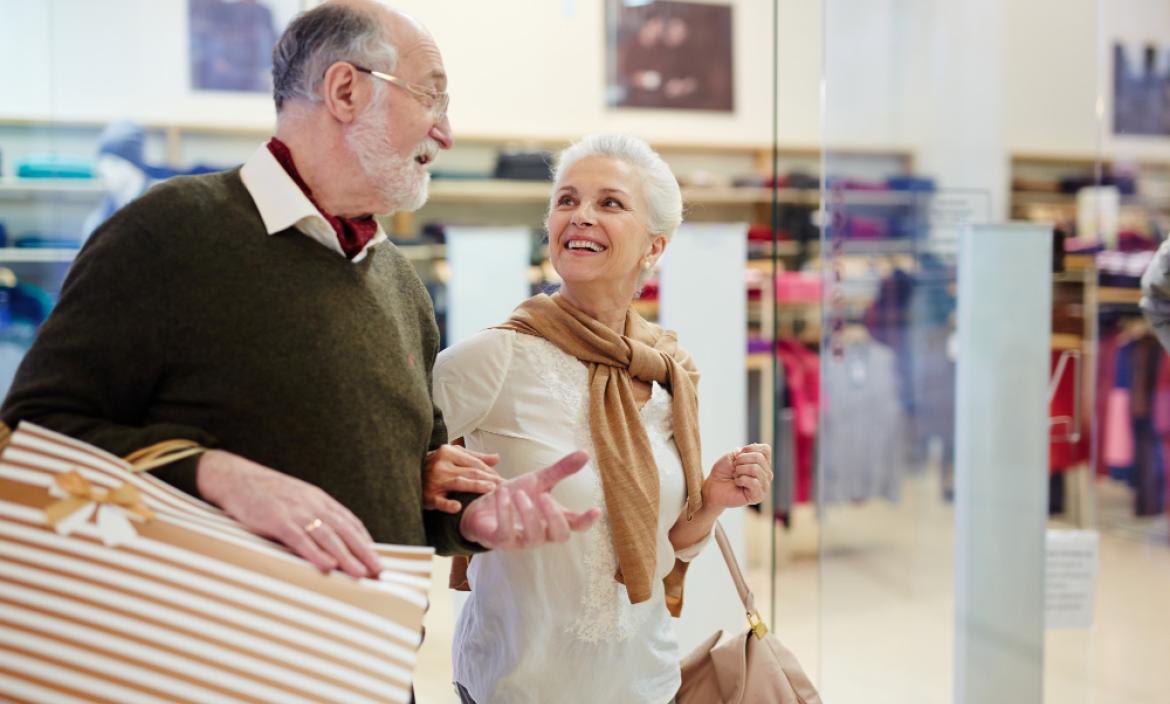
(435, 100)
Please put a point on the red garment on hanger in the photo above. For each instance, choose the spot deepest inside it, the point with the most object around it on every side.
(1062, 451)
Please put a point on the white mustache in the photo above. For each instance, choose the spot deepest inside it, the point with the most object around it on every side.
(429, 149)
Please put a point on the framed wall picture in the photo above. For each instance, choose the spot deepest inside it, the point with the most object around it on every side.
(231, 42)
(669, 54)
(1141, 89)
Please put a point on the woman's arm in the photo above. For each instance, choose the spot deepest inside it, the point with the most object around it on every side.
(739, 478)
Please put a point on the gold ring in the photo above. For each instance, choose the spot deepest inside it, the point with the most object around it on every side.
(313, 525)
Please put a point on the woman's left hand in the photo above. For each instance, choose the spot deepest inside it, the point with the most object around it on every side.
(739, 478)
(453, 468)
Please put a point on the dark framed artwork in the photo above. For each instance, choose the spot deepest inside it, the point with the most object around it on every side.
(1141, 90)
(669, 55)
(230, 42)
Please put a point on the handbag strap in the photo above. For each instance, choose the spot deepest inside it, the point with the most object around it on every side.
(759, 628)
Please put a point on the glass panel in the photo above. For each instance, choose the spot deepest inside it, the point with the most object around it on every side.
(924, 81)
(1048, 112)
(885, 476)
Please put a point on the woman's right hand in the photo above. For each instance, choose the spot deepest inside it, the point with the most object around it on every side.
(742, 477)
(451, 469)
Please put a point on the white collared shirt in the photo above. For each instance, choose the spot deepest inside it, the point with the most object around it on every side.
(282, 204)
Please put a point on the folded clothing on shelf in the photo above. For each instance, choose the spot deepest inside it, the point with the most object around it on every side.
(915, 184)
(1126, 185)
(54, 166)
(46, 242)
(1123, 269)
(797, 286)
(524, 166)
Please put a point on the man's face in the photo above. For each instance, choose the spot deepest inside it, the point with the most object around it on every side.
(397, 137)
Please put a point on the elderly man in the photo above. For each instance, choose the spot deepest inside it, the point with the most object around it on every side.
(261, 313)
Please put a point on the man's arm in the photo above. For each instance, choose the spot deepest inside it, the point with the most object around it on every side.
(98, 358)
(95, 366)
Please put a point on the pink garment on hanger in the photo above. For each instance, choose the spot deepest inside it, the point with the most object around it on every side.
(1118, 440)
(802, 378)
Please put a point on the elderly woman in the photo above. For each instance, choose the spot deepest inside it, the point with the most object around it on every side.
(588, 620)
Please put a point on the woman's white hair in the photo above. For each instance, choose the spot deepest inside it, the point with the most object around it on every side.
(659, 186)
(320, 37)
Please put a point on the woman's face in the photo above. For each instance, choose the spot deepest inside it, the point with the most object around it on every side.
(597, 232)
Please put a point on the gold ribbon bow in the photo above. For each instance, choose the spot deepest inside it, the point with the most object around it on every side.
(81, 493)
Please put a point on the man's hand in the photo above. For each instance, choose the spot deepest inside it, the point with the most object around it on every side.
(521, 513)
(739, 478)
(451, 468)
(302, 517)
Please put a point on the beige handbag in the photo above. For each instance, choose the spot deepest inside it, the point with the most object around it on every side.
(751, 668)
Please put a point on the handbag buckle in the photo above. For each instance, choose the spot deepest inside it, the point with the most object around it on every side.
(757, 625)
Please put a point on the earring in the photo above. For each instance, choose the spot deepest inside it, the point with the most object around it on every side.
(647, 264)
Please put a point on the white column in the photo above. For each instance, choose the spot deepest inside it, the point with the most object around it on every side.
(489, 277)
(703, 299)
(1001, 489)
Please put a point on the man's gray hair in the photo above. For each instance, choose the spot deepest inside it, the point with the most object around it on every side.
(659, 186)
(318, 38)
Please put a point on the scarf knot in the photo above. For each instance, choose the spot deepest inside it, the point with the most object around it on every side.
(648, 364)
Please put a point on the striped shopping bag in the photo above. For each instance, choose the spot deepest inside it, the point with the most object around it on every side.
(140, 593)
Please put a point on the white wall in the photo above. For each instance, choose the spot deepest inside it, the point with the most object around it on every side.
(1054, 77)
(532, 68)
(1051, 75)
(516, 67)
(108, 59)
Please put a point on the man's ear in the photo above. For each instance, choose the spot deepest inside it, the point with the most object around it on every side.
(344, 92)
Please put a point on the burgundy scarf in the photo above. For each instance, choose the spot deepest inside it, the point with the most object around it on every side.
(352, 233)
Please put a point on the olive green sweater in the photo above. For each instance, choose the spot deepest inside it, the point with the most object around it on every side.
(183, 318)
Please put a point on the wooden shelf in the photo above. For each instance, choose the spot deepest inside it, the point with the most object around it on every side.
(759, 360)
(1026, 199)
(1113, 294)
(1067, 341)
(1080, 262)
(539, 192)
(488, 190)
(29, 255)
(40, 187)
(515, 191)
(422, 252)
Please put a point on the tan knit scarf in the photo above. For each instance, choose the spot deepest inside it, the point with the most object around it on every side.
(622, 453)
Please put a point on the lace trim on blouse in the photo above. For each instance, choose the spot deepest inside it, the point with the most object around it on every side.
(605, 613)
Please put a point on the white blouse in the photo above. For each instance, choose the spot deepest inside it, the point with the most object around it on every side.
(552, 624)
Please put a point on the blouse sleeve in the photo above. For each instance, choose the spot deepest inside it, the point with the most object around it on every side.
(690, 552)
(468, 378)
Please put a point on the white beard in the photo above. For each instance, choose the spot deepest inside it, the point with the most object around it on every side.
(400, 183)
